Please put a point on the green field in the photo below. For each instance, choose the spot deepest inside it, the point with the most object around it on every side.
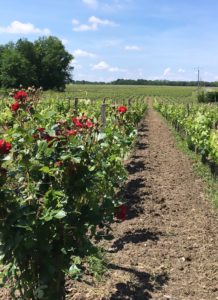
(100, 91)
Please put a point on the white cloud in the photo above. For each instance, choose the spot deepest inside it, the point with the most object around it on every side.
(75, 22)
(178, 75)
(98, 21)
(114, 69)
(133, 47)
(91, 3)
(94, 24)
(17, 27)
(83, 53)
(85, 27)
(74, 63)
(64, 41)
(102, 65)
(167, 72)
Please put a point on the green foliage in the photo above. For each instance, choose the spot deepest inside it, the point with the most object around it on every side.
(201, 97)
(52, 63)
(197, 123)
(44, 62)
(58, 188)
(14, 68)
(208, 97)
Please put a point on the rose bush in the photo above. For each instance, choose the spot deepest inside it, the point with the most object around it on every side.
(60, 183)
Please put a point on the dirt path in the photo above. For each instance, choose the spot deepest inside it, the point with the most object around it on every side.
(168, 246)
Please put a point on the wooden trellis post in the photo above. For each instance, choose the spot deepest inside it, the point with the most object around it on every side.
(103, 113)
(188, 109)
(76, 101)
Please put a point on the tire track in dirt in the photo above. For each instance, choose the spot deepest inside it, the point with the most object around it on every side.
(168, 246)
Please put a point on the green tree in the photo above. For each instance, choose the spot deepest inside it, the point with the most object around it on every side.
(44, 62)
(14, 68)
(52, 63)
(27, 50)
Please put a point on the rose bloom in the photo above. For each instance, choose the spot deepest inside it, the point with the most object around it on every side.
(71, 132)
(74, 119)
(121, 212)
(89, 124)
(58, 163)
(35, 136)
(15, 106)
(77, 122)
(20, 95)
(40, 129)
(5, 147)
(122, 109)
(48, 138)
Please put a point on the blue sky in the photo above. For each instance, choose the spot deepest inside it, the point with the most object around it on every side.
(150, 39)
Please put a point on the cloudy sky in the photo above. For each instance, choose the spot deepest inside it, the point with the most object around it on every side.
(110, 39)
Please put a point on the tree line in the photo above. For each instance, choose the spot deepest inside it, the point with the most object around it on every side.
(44, 62)
(151, 82)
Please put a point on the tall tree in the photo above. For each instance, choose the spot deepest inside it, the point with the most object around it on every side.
(27, 50)
(44, 62)
(14, 68)
(52, 63)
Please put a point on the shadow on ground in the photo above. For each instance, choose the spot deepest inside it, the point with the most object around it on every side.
(134, 190)
(140, 287)
(138, 236)
(133, 198)
(135, 166)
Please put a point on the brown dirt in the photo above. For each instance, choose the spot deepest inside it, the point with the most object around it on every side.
(168, 246)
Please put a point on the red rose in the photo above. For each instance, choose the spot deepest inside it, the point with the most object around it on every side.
(121, 212)
(40, 129)
(48, 138)
(35, 136)
(89, 124)
(78, 124)
(5, 147)
(71, 132)
(58, 163)
(74, 119)
(15, 106)
(20, 95)
(122, 109)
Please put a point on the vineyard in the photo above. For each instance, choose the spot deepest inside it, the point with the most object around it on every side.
(65, 164)
(198, 124)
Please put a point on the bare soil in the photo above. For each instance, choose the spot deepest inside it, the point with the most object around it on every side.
(168, 246)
